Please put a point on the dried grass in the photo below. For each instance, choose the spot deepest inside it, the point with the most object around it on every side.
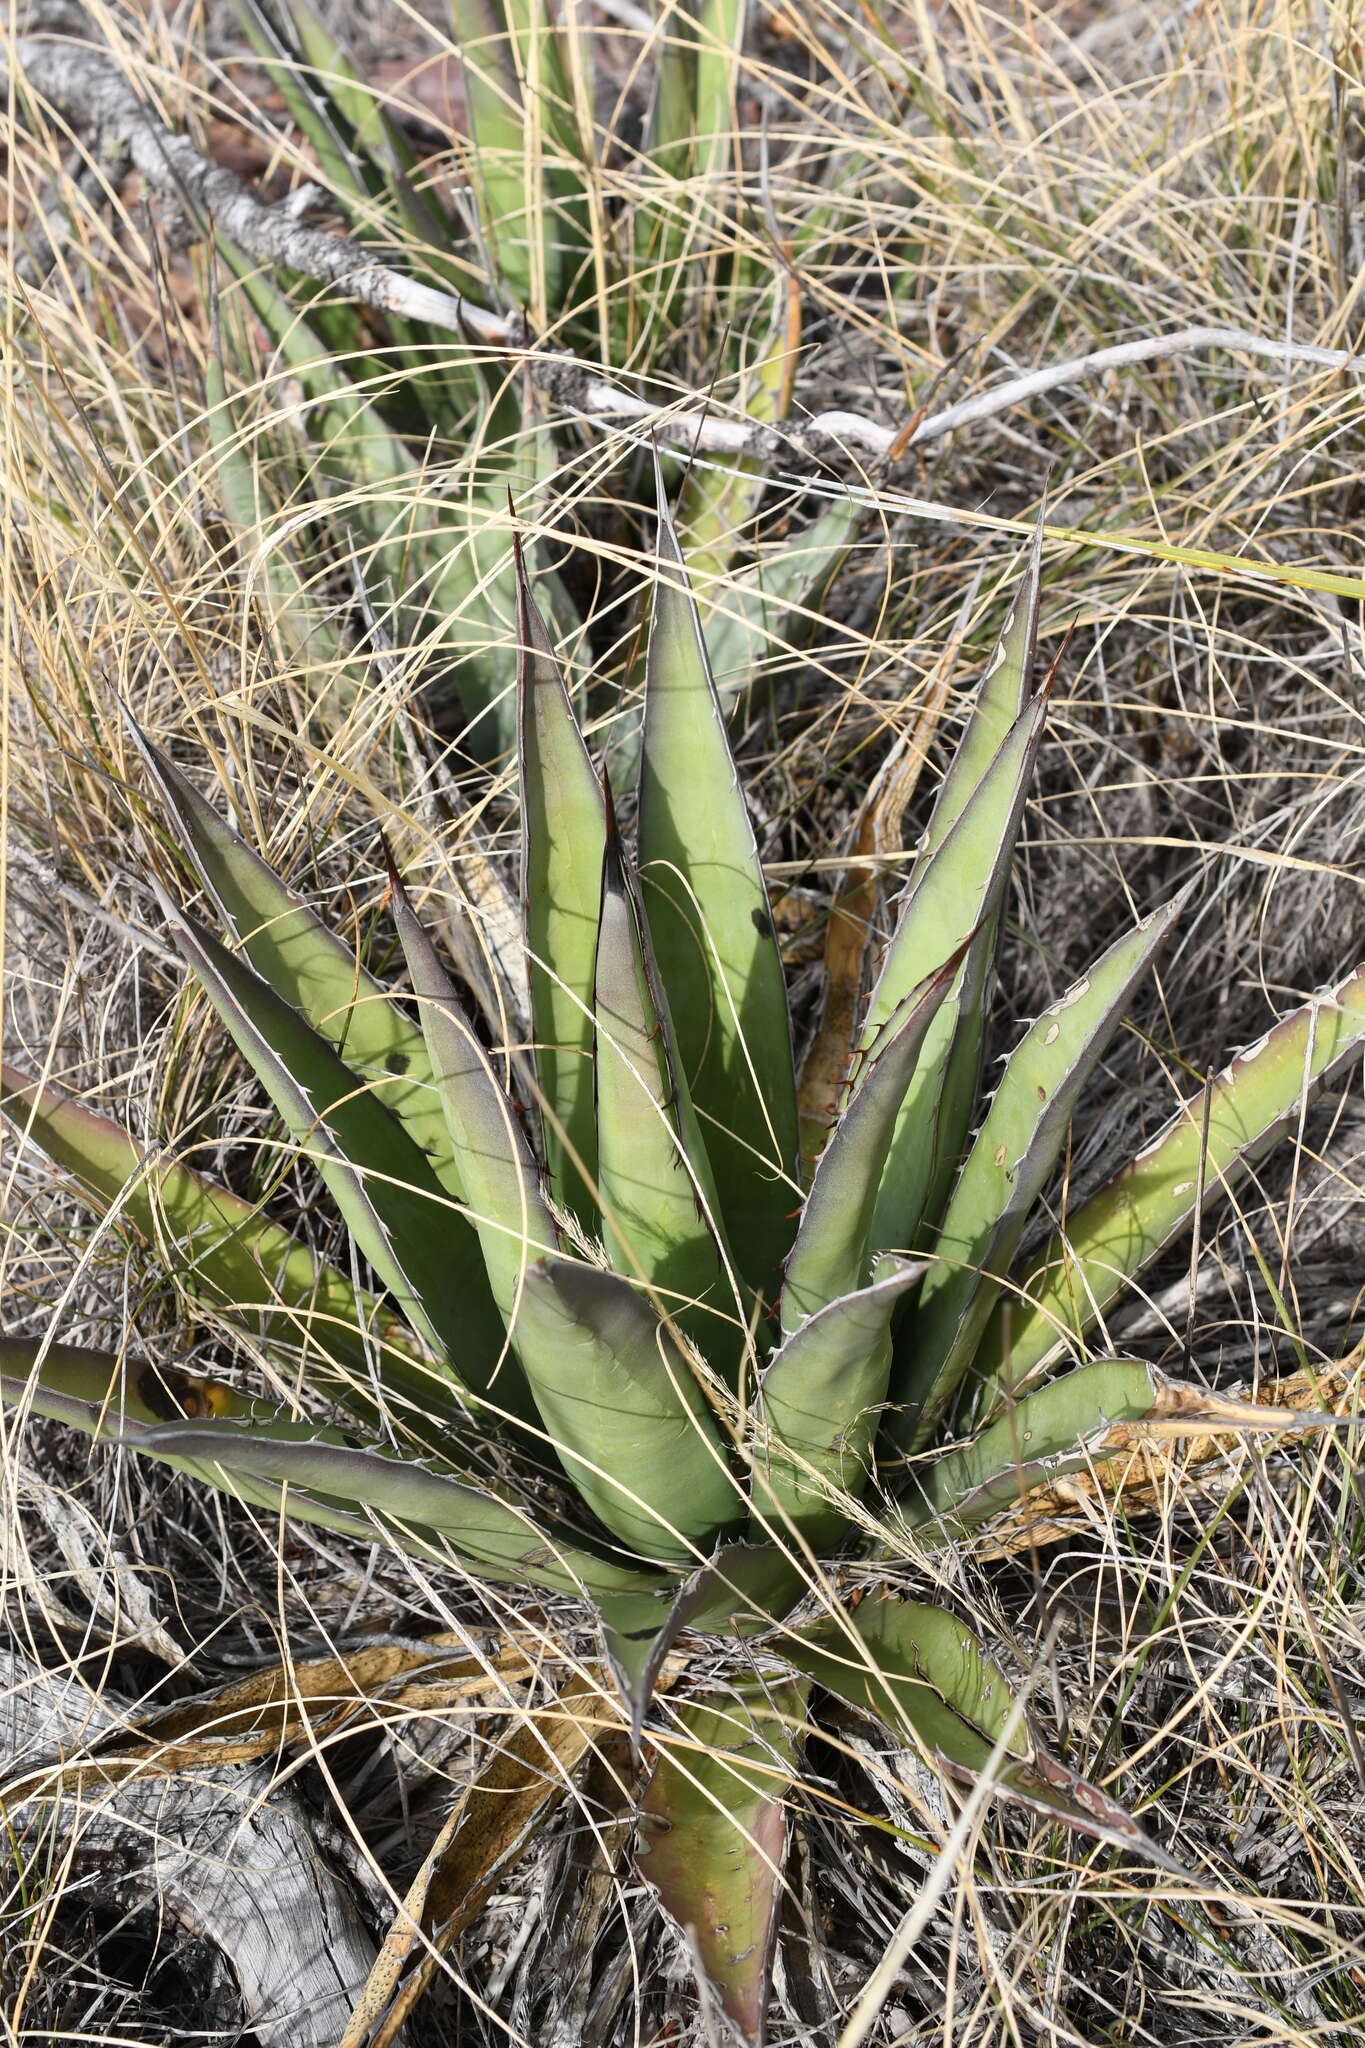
(1004, 190)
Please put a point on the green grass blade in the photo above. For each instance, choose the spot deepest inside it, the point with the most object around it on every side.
(563, 843)
(713, 1836)
(622, 1405)
(1015, 1150)
(955, 895)
(1202, 1152)
(658, 1199)
(833, 1240)
(711, 928)
(821, 1402)
(422, 1248)
(292, 949)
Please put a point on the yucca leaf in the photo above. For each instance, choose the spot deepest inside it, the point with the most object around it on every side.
(1082, 1419)
(1016, 1148)
(829, 1258)
(742, 1591)
(507, 175)
(419, 1244)
(1203, 1151)
(713, 1835)
(955, 897)
(711, 928)
(563, 844)
(622, 1404)
(493, 1160)
(659, 1202)
(218, 1245)
(291, 948)
(923, 1673)
(316, 105)
(821, 1400)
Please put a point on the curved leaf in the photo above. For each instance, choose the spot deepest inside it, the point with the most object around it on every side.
(711, 928)
(1016, 1148)
(1086, 1417)
(1204, 1150)
(923, 1673)
(713, 1835)
(833, 1240)
(821, 1399)
(563, 844)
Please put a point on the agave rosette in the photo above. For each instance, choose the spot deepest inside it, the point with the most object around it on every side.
(716, 1362)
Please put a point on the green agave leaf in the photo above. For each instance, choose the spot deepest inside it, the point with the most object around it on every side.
(711, 928)
(821, 1399)
(494, 1161)
(623, 1407)
(744, 1589)
(1076, 1422)
(313, 969)
(713, 1835)
(1204, 1150)
(659, 1202)
(422, 1248)
(955, 894)
(922, 1672)
(833, 1240)
(563, 844)
(1016, 1148)
(216, 1243)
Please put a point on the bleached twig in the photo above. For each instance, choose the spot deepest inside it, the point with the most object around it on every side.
(90, 92)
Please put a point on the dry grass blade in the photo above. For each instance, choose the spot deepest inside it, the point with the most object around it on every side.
(530, 1771)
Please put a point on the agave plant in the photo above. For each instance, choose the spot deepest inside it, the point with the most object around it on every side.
(711, 1366)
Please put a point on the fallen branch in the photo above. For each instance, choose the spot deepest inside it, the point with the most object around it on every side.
(88, 90)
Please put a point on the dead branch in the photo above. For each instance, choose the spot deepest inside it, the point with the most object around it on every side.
(87, 90)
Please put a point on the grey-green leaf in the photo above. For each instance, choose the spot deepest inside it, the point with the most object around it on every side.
(1015, 1150)
(563, 842)
(710, 924)
(622, 1404)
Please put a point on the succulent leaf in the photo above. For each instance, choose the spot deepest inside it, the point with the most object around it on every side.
(922, 1673)
(397, 1211)
(821, 1400)
(1203, 1151)
(711, 928)
(1016, 1148)
(563, 846)
(659, 1202)
(622, 1404)
(954, 896)
(291, 948)
(713, 1835)
(829, 1258)
(1082, 1419)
